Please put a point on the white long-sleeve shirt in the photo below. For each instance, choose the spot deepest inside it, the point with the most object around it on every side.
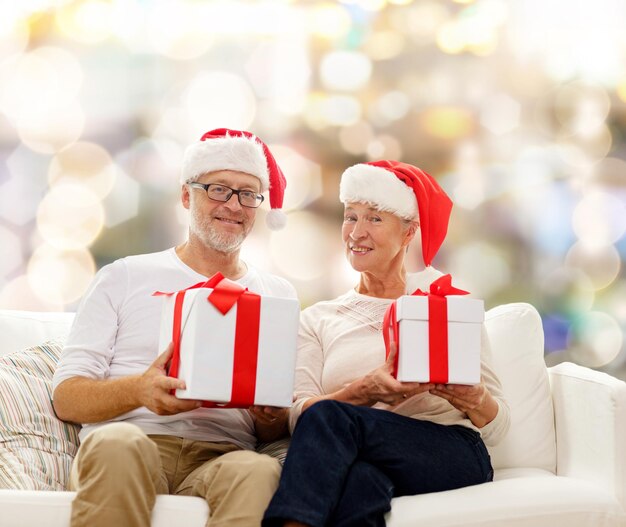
(341, 340)
(116, 333)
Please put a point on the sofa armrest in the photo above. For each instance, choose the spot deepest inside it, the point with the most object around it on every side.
(590, 419)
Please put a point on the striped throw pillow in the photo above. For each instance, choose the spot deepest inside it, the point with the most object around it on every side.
(36, 448)
(277, 449)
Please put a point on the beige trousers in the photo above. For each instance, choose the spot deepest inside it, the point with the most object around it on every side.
(119, 470)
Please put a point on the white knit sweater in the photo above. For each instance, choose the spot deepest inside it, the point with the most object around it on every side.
(340, 341)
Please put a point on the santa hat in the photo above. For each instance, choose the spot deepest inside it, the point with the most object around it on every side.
(403, 190)
(224, 149)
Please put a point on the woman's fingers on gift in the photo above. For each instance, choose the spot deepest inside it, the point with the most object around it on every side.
(391, 358)
(268, 414)
(463, 397)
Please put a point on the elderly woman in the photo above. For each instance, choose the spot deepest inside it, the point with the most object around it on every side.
(362, 437)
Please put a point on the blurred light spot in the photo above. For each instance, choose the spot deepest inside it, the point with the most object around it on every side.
(39, 83)
(14, 34)
(582, 109)
(621, 90)
(595, 339)
(88, 22)
(567, 290)
(601, 265)
(595, 147)
(423, 19)
(328, 20)
(339, 110)
(122, 203)
(344, 277)
(176, 30)
(304, 177)
(11, 252)
(52, 130)
(500, 114)
(300, 250)
(599, 220)
(20, 195)
(475, 29)
(368, 5)
(281, 72)
(153, 162)
(60, 276)
(18, 294)
(384, 147)
(555, 328)
(390, 107)
(219, 100)
(469, 191)
(450, 38)
(481, 268)
(610, 171)
(70, 217)
(84, 163)
(355, 138)
(254, 249)
(384, 45)
(447, 122)
(345, 70)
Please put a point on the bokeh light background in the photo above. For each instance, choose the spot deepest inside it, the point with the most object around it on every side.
(518, 107)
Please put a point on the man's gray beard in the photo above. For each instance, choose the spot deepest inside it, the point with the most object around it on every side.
(222, 242)
(218, 241)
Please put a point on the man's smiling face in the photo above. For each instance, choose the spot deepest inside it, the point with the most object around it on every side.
(222, 226)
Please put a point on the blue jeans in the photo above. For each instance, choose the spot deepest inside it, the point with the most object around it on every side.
(345, 463)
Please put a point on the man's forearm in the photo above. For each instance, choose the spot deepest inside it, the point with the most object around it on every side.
(83, 400)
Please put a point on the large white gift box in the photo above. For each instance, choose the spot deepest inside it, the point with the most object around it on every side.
(460, 362)
(221, 358)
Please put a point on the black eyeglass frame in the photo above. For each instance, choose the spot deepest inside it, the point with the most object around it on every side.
(205, 186)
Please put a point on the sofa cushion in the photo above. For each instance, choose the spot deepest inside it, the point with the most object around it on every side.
(516, 336)
(36, 448)
(516, 499)
(23, 329)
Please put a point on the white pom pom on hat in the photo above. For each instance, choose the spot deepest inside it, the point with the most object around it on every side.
(225, 149)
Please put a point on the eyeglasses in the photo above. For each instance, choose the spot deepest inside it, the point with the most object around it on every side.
(218, 192)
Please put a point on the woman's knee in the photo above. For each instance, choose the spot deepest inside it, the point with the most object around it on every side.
(327, 412)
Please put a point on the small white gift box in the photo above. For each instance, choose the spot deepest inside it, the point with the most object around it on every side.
(241, 355)
(439, 336)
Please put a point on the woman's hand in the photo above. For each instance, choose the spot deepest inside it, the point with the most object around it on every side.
(380, 385)
(476, 401)
(270, 422)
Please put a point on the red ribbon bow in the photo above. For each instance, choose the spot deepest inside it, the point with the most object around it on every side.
(437, 327)
(224, 296)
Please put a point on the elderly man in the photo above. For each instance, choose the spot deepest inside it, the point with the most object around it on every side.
(137, 439)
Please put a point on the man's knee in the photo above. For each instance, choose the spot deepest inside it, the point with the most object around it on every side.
(247, 462)
(116, 443)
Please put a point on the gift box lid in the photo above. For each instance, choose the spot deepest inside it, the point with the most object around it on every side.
(460, 309)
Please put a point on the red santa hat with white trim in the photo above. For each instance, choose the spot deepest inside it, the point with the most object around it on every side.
(405, 191)
(225, 149)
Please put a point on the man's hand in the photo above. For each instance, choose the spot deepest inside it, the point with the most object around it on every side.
(154, 388)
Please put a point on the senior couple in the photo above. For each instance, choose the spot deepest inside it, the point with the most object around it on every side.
(359, 437)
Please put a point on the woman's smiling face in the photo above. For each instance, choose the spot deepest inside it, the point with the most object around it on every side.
(374, 240)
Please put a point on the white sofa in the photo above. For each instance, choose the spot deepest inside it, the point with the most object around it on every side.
(563, 462)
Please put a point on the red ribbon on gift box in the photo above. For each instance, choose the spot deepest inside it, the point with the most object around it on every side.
(437, 327)
(224, 296)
